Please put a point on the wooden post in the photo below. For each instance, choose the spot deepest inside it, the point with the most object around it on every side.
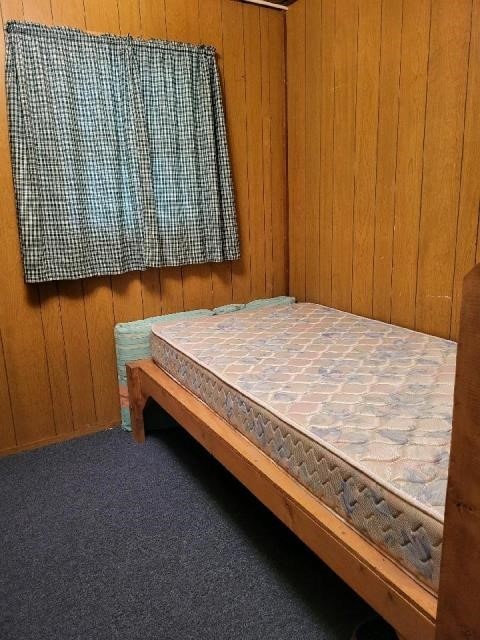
(458, 616)
(137, 401)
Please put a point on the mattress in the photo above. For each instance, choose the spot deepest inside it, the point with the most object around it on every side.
(132, 340)
(356, 410)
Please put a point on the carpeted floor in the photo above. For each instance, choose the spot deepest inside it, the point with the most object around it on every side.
(101, 538)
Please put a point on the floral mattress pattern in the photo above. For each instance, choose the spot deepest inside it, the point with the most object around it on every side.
(357, 410)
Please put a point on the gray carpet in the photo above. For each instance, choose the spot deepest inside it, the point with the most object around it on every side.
(101, 539)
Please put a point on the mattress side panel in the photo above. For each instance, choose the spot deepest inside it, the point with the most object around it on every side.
(407, 534)
(378, 396)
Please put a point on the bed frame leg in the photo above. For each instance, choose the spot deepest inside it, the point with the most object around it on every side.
(137, 402)
(458, 597)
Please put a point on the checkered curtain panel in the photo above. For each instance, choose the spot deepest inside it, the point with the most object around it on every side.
(119, 153)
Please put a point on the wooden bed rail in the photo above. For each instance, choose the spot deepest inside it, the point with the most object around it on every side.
(410, 607)
(399, 598)
(458, 615)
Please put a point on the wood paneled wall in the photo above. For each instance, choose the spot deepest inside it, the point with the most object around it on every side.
(57, 363)
(384, 156)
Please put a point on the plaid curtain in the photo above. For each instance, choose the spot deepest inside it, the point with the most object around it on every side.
(119, 153)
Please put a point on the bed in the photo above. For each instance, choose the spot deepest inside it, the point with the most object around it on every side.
(341, 425)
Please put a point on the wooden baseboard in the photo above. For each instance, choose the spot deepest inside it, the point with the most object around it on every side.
(63, 437)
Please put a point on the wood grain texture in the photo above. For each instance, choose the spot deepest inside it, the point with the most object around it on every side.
(442, 162)
(296, 71)
(210, 19)
(409, 174)
(57, 361)
(253, 103)
(278, 149)
(398, 597)
(236, 114)
(458, 611)
(366, 133)
(152, 18)
(7, 426)
(345, 54)
(266, 151)
(23, 350)
(327, 120)
(313, 71)
(389, 93)
(397, 103)
(470, 185)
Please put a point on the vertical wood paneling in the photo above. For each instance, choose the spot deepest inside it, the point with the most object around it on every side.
(69, 14)
(57, 362)
(152, 18)
(397, 104)
(7, 427)
(345, 64)
(129, 18)
(390, 56)
(368, 70)
(210, 17)
(77, 350)
(447, 80)
(409, 175)
(313, 70)
(296, 62)
(327, 119)
(266, 152)
(101, 17)
(276, 43)
(40, 11)
(127, 297)
(20, 315)
(253, 100)
(236, 113)
(478, 244)
(56, 358)
(470, 184)
(181, 18)
(151, 293)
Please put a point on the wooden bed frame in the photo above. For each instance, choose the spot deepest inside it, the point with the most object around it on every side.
(409, 606)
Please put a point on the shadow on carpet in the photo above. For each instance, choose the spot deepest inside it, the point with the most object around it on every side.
(103, 539)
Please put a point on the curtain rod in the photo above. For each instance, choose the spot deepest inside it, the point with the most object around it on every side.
(270, 5)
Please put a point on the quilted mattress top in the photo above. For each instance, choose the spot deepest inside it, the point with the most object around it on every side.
(376, 395)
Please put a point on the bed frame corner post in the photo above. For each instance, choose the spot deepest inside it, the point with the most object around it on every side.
(137, 401)
(459, 593)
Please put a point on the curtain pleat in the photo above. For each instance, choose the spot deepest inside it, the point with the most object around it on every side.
(119, 153)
